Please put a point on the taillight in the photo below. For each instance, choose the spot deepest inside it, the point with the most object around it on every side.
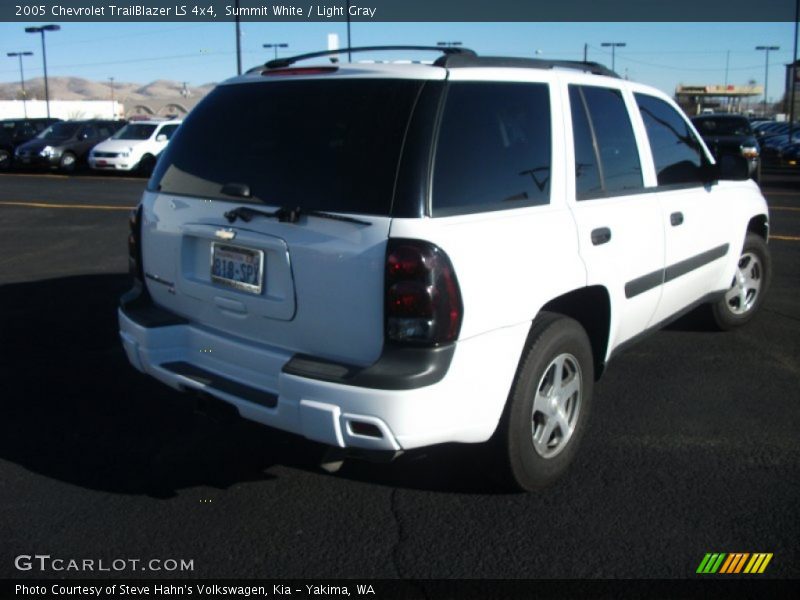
(135, 267)
(423, 300)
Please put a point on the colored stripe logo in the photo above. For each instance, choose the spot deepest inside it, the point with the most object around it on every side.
(734, 563)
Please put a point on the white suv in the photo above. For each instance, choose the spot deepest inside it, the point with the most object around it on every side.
(393, 256)
(135, 147)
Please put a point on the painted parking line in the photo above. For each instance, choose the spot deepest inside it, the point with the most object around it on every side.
(793, 208)
(75, 206)
(785, 238)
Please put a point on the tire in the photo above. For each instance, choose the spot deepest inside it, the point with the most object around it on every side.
(748, 288)
(5, 160)
(68, 163)
(146, 165)
(539, 432)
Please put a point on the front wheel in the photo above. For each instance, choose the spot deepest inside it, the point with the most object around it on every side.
(68, 162)
(548, 407)
(749, 285)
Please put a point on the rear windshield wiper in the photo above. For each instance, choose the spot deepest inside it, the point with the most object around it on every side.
(286, 215)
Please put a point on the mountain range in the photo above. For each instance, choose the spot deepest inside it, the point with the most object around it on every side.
(76, 88)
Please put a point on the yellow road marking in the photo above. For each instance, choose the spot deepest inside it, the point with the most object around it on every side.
(786, 238)
(797, 208)
(78, 206)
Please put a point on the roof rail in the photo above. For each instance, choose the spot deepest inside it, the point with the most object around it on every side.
(458, 61)
(279, 63)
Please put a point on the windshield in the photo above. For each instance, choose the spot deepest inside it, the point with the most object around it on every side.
(59, 131)
(134, 131)
(723, 126)
(315, 144)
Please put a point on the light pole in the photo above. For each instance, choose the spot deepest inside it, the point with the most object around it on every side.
(767, 50)
(276, 46)
(41, 30)
(22, 78)
(613, 46)
(113, 108)
(238, 42)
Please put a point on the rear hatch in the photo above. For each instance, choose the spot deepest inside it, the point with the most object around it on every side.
(302, 281)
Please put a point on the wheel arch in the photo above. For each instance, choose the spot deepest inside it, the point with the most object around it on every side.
(759, 225)
(591, 307)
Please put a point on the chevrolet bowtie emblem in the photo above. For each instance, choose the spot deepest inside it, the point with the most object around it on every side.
(225, 234)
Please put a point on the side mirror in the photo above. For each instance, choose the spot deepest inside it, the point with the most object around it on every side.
(733, 167)
(728, 167)
(161, 137)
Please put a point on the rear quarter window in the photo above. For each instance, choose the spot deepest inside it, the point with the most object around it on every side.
(494, 148)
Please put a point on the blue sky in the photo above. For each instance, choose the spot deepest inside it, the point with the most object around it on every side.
(659, 54)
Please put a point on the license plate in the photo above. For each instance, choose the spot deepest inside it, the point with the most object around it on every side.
(237, 267)
(102, 163)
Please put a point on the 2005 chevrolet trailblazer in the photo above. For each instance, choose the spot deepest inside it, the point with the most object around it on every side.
(393, 256)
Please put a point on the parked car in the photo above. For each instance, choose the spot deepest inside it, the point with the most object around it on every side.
(790, 156)
(65, 145)
(769, 128)
(391, 256)
(135, 147)
(14, 132)
(730, 135)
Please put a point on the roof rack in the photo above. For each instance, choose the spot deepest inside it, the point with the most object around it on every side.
(279, 63)
(454, 58)
(457, 61)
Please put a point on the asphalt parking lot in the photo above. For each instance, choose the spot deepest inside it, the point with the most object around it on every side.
(693, 447)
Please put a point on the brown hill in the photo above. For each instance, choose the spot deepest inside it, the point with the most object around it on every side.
(76, 88)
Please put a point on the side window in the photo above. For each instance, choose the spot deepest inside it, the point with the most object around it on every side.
(494, 148)
(104, 131)
(606, 155)
(588, 180)
(168, 130)
(677, 154)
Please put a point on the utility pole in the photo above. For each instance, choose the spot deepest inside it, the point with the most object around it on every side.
(613, 46)
(113, 108)
(22, 78)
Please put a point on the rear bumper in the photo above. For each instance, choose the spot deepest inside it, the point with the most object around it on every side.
(272, 387)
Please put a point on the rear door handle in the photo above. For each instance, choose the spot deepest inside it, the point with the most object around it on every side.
(601, 235)
(676, 219)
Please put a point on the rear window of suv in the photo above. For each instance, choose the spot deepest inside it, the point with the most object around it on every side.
(313, 144)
